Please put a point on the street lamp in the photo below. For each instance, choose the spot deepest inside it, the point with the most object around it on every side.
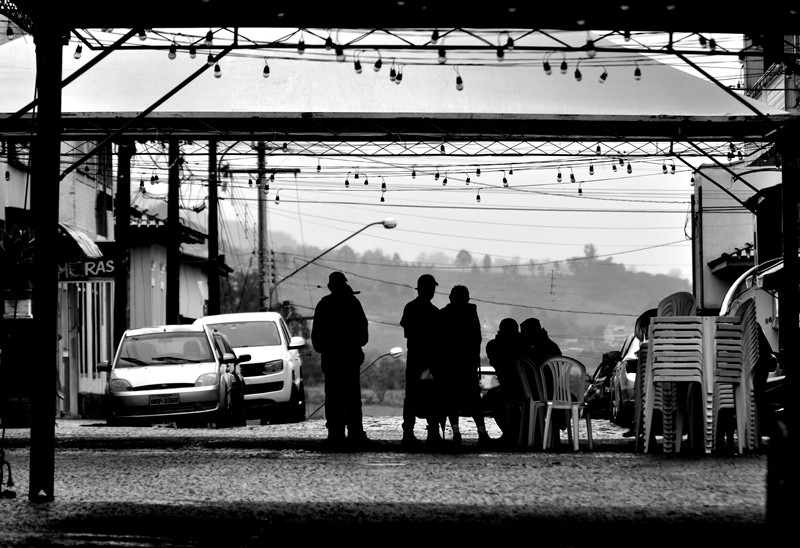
(389, 222)
(395, 353)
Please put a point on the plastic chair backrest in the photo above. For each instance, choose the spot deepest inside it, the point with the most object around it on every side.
(681, 303)
(533, 376)
(640, 328)
(750, 351)
(564, 380)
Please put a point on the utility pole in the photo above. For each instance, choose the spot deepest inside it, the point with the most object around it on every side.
(263, 275)
(213, 231)
(173, 234)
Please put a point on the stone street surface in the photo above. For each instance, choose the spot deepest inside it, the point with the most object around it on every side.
(259, 485)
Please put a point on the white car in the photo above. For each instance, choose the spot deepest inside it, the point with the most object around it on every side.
(273, 376)
(175, 373)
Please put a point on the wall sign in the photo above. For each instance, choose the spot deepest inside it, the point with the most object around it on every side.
(89, 270)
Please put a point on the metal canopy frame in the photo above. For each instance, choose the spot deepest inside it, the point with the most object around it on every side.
(764, 23)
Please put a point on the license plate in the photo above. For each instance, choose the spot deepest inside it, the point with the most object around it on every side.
(165, 399)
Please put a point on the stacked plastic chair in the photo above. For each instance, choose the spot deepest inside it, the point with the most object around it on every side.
(675, 359)
(527, 416)
(736, 353)
(641, 332)
(564, 388)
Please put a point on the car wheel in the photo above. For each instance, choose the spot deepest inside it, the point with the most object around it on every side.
(616, 407)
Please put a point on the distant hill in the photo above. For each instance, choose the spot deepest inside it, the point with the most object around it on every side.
(575, 301)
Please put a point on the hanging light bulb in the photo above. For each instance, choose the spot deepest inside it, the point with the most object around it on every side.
(603, 76)
(392, 73)
(217, 71)
(319, 167)
(339, 53)
(637, 72)
(614, 167)
(272, 176)
(505, 181)
(702, 40)
(435, 35)
(712, 44)
(78, 51)
(399, 77)
(478, 172)
(597, 150)
(328, 42)
(621, 161)
(672, 168)
(478, 196)
(357, 174)
(210, 60)
(629, 169)
(209, 39)
(173, 51)
(357, 64)
(277, 197)
(501, 54)
(413, 172)
(664, 167)
(578, 75)
(382, 193)
(563, 66)
(444, 180)
(442, 58)
(510, 170)
(558, 175)
(141, 181)
(142, 35)
(546, 63)
(436, 175)
(378, 63)
(265, 72)
(739, 154)
(347, 180)
(580, 190)
(591, 168)
(691, 181)
(383, 184)
(459, 83)
(626, 35)
(250, 183)
(571, 176)
(467, 181)
(301, 46)
(441, 148)
(366, 180)
(285, 147)
(510, 43)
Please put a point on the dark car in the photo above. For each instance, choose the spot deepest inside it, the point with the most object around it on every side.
(598, 391)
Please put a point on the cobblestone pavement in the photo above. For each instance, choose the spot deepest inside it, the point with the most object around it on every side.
(247, 486)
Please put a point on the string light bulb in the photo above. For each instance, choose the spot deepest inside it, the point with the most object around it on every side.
(444, 180)
(441, 148)
(626, 35)
(392, 72)
(691, 181)
(505, 181)
(209, 39)
(217, 71)
(301, 45)
(142, 35)
(467, 180)
(672, 168)
(558, 175)
(578, 75)
(278, 197)
(339, 53)
(78, 51)
(442, 57)
(637, 72)
(580, 190)
(664, 167)
(546, 63)
(510, 170)
(501, 53)
(590, 51)
(383, 183)
(9, 31)
(319, 167)
(173, 51)
(478, 172)
(629, 169)
(459, 83)
(603, 76)
(347, 180)
(436, 175)
(210, 60)
(509, 43)
(366, 180)
(435, 36)
(356, 174)
(265, 72)
(591, 168)
(413, 172)
(597, 150)
(382, 193)
(571, 176)
(614, 167)
(378, 63)
(192, 52)
(357, 63)
(563, 66)
(8, 177)
(328, 42)
(399, 77)
(478, 196)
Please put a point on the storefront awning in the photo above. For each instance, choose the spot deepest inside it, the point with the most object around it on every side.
(77, 244)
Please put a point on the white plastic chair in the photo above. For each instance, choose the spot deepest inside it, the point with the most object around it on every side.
(564, 381)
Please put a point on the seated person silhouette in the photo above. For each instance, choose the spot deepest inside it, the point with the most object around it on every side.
(502, 352)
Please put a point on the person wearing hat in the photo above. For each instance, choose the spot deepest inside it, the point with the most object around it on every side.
(338, 334)
(420, 323)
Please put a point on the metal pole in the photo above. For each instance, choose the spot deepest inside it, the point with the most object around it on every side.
(122, 223)
(46, 156)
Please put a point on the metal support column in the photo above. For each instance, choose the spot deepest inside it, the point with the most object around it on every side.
(263, 274)
(45, 171)
(173, 234)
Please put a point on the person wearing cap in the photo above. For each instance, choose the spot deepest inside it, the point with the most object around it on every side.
(339, 332)
(420, 323)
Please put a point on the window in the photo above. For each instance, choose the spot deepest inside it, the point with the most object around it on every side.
(244, 334)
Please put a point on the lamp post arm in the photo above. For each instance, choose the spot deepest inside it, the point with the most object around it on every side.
(359, 231)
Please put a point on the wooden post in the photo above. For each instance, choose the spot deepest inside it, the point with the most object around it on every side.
(213, 231)
(122, 223)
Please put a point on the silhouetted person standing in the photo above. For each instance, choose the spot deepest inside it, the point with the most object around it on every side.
(420, 323)
(461, 333)
(339, 332)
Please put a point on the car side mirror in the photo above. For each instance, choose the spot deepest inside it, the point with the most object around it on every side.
(104, 367)
(242, 358)
(229, 357)
(297, 342)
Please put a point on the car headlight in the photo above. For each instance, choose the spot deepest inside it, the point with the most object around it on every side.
(631, 376)
(273, 367)
(119, 385)
(207, 379)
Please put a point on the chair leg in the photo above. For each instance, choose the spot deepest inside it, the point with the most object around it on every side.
(589, 430)
(568, 419)
(547, 426)
(576, 424)
(741, 419)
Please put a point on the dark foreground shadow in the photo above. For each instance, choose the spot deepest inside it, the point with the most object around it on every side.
(241, 524)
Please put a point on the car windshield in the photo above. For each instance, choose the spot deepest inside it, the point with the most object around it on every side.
(164, 349)
(244, 334)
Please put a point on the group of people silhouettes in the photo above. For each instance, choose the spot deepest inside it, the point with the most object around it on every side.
(441, 380)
